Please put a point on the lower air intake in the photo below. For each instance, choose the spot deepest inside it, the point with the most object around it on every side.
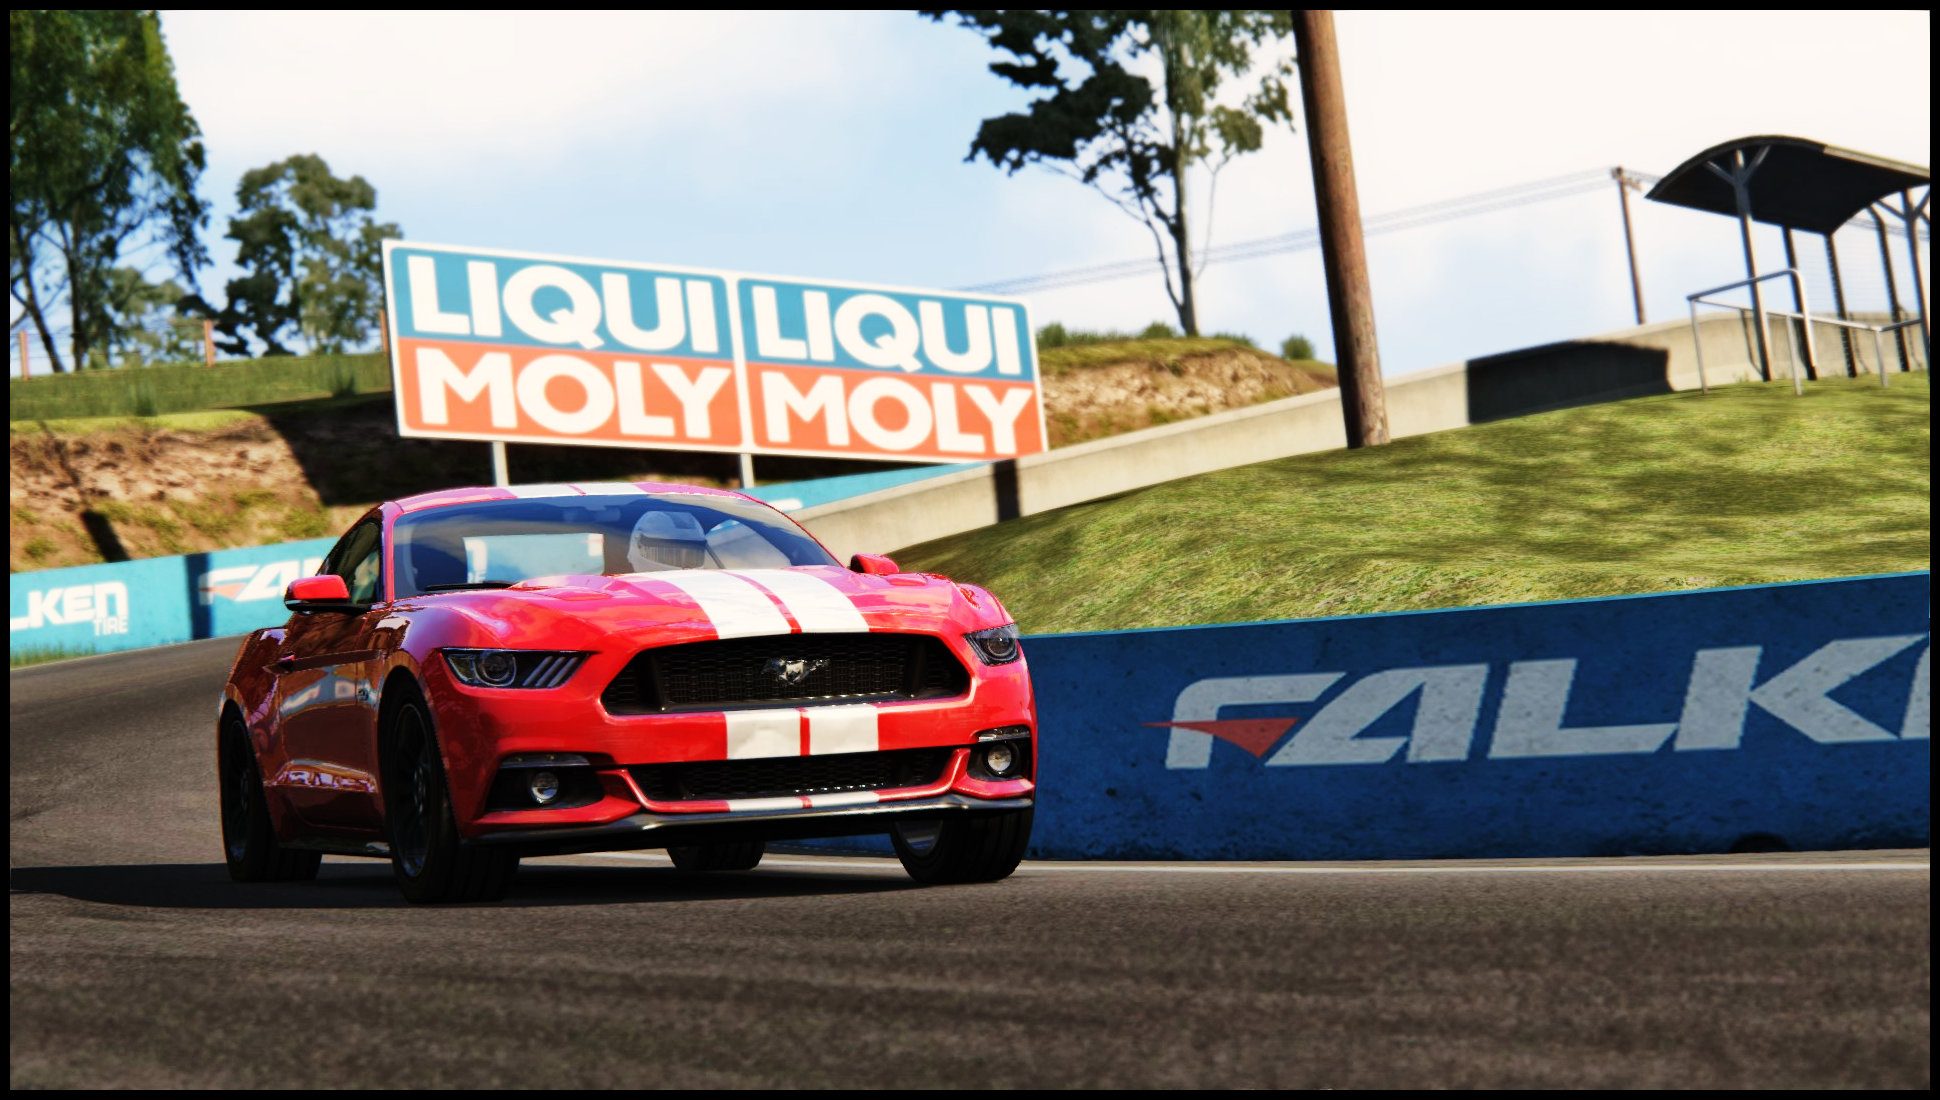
(792, 775)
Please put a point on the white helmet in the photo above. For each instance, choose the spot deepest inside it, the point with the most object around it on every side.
(667, 540)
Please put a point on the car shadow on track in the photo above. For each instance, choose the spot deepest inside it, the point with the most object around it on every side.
(353, 886)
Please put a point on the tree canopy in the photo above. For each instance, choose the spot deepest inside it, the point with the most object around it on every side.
(103, 161)
(311, 254)
(1129, 102)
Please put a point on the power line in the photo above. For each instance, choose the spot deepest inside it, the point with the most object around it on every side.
(1531, 193)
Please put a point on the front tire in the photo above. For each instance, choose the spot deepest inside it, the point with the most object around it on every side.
(249, 844)
(983, 848)
(694, 858)
(428, 859)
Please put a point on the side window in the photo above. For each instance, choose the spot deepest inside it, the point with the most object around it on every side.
(357, 560)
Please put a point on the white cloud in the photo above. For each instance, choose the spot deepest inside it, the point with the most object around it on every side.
(450, 92)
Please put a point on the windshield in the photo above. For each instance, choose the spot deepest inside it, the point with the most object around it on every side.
(495, 544)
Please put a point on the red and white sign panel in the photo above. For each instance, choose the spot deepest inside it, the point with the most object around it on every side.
(543, 349)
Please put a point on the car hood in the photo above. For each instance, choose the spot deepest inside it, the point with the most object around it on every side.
(586, 611)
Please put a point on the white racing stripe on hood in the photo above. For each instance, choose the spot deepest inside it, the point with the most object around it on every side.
(609, 488)
(755, 734)
(816, 604)
(737, 609)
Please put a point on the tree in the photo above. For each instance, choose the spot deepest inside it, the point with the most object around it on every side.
(312, 257)
(1296, 347)
(149, 322)
(103, 161)
(1100, 119)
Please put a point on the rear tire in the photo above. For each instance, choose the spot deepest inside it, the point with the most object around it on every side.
(249, 844)
(984, 848)
(428, 859)
(694, 858)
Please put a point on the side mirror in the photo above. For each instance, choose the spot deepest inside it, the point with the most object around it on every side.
(875, 565)
(325, 593)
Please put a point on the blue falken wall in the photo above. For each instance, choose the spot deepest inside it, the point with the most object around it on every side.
(1793, 714)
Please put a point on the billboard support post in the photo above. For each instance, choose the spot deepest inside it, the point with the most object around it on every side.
(500, 475)
(747, 470)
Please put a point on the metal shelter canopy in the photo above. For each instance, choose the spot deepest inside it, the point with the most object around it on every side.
(1798, 184)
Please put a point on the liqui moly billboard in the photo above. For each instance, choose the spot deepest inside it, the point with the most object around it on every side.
(544, 349)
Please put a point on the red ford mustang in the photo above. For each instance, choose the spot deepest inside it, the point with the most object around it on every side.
(479, 675)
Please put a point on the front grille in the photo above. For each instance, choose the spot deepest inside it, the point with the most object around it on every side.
(792, 775)
(841, 668)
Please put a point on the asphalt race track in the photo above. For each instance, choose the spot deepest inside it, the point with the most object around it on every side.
(135, 962)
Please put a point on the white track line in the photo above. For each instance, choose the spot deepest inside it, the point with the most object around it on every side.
(839, 863)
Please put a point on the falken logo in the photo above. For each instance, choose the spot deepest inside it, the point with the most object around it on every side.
(103, 606)
(1530, 721)
(248, 583)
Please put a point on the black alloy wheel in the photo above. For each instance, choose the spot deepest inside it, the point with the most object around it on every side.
(249, 845)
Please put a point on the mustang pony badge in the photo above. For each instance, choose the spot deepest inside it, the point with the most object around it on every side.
(793, 672)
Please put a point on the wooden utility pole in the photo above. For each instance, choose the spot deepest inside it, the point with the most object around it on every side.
(1364, 403)
(1630, 242)
(23, 355)
(208, 342)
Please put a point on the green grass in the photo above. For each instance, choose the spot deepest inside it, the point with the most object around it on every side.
(1745, 485)
(150, 391)
(200, 421)
(40, 655)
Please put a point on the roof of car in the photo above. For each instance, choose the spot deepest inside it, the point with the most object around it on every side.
(474, 494)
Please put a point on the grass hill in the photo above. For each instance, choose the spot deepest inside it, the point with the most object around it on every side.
(1745, 485)
(297, 462)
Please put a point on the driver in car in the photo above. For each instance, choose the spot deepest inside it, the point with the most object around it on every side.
(667, 540)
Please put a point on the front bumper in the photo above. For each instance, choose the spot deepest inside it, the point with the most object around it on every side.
(650, 830)
(479, 729)
(625, 817)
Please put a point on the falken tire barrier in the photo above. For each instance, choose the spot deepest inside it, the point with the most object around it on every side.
(1769, 717)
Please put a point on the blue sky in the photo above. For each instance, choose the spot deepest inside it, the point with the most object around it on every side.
(833, 145)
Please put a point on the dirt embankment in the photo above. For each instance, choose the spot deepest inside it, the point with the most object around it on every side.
(81, 491)
(1101, 390)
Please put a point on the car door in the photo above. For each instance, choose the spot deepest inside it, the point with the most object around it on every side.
(325, 696)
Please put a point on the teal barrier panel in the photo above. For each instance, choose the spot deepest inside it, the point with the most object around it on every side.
(98, 608)
(156, 601)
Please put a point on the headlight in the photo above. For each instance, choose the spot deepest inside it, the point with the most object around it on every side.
(996, 646)
(513, 668)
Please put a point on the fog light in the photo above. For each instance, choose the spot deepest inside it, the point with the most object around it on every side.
(544, 787)
(1000, 759)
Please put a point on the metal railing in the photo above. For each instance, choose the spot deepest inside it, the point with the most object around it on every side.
(1804, 315)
